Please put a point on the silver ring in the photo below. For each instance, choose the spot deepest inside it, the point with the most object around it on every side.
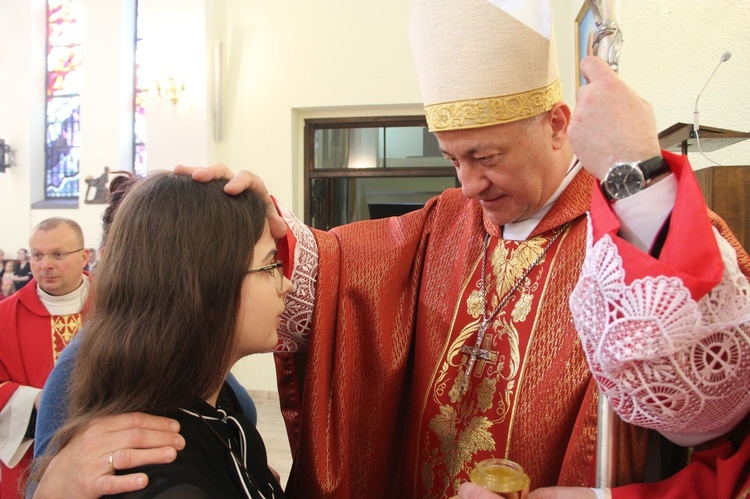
(111, 461)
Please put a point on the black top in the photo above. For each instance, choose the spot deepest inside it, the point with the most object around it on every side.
(25, 272)
(206, 467)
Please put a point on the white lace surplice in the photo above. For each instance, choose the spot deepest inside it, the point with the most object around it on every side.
(664, 360)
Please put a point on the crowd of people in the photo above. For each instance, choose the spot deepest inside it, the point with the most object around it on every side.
(485, 325)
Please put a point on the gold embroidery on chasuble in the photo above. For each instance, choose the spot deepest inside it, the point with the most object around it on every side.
(458, 431)
(64, 327)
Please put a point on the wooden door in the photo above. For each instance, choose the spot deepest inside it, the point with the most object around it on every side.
(727, 192)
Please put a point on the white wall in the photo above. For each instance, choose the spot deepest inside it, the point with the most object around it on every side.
(288, 60)
(22, 39)
(670, 49)
(174, 32)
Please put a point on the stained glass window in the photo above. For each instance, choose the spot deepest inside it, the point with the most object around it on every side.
(139, 114)
(64, 39)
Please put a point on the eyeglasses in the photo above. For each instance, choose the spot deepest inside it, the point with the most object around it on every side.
(278, 275)
(57, 256)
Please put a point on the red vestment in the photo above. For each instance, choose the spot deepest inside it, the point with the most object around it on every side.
(372, 407)
(30, 342)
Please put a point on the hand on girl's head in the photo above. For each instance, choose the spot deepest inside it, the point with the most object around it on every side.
(238, 182)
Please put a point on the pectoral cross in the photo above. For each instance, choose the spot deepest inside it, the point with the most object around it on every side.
(475, 353)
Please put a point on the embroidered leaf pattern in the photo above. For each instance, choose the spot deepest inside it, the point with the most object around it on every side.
(510, 270)
(463, 424)
(509, 332)
(507, 395)
(444, 424)
(427, 470)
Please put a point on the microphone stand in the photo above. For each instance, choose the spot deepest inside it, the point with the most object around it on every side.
(724, 57)
(695, 132)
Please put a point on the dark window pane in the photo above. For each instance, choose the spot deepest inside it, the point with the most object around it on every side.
(377, 147)
(338, 201)
(407, 147)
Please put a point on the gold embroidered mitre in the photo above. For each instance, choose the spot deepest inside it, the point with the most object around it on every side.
(484, 62)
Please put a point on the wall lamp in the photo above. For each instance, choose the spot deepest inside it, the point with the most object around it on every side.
(6, 156)
(169, 90)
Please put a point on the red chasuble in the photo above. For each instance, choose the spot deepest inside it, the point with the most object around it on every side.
(378, 414)
(30, 342)
(374, 408)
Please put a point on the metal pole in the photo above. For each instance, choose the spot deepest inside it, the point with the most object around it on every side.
(606, 444)
(607, 44)
(608, 36)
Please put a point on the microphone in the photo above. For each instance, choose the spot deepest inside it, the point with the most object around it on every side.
(724, 58)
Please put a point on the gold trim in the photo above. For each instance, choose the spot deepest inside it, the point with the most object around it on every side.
(477, 113)
(537, 317)
(444, 353)
(62, 330)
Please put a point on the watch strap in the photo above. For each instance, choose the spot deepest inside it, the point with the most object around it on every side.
(653, 167)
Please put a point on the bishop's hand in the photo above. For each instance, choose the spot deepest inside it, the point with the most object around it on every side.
(611, 123)
(239, 182)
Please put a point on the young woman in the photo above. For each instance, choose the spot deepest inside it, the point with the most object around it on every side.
(167, 327)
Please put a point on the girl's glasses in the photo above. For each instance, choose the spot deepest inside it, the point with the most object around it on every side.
(275, 269)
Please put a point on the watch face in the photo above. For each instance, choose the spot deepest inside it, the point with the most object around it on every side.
(623, 180)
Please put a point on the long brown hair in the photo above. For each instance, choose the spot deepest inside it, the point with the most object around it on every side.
(167, 292)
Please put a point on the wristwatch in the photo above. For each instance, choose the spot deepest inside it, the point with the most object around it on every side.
(625, 179)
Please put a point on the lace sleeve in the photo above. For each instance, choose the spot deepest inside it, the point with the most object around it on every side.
(663, 360)
(294, 331)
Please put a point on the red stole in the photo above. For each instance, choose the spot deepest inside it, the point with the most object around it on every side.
(460, 430)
